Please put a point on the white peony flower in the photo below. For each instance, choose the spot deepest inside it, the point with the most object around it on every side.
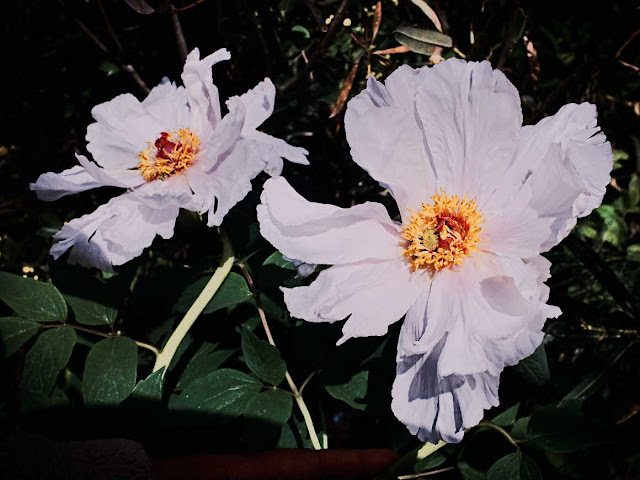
(172, 150)
(480, 197)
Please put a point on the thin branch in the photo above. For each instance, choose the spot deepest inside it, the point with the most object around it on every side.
(507, 41)
(107, 22)
(177, 30)
(426, 474)
(627, 42)
(151, 348)
(315, 13)
(322, 47)
(297, 394)
(502, 431)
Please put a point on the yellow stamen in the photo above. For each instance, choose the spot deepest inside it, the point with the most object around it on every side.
(443, 233)
(170, 154)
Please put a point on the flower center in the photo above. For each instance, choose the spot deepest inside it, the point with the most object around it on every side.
(171, 153)
(443, 233)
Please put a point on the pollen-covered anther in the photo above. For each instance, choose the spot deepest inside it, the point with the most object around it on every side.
(442, 233)
(170, 154)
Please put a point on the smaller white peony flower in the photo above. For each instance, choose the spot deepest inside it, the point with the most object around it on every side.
(480, 197)
(172, 150)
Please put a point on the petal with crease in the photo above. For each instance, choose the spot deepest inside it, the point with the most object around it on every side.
(325, 234)
(373, 294)
(52, 186)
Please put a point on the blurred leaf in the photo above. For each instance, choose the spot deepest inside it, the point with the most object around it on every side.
(110, 372)
(276, 259)
(32, 299)
(508, 417)
(140, 6)
(432, 461)
(341, 101)
(44, 360)
(516, 466)
(633, 253)
(109, 68)
(562, 429)
(429, 12)
(470, 473)
(615, 228)
(377, 20)
(519, 429)
(150, 388)
(234, 290)
(422, 41)
(353, 392)
(302, 30)
(15, 332)
(534, 369)
(262, 358)
(224, 393)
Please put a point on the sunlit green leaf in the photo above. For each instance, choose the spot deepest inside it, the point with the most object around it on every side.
(15, 332)
(234, 290)
(352, 392)
(44, 360)
(262, 358)
(32, 299)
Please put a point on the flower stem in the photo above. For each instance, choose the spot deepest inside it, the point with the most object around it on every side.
(169, 350)
(297, 394)
(405, 463)
(500, 430)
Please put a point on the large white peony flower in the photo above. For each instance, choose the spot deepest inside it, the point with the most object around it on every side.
(480, 197)
(172, 150)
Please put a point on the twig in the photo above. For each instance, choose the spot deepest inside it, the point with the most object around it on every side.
(307, 380)
(627, 42)
(507, 41)
(187, 7)
(169, 350)
(177, 30)
(112, 32)
(426, 474)
(296, 393)
(315, 13)
(147, 346)
(322, 48)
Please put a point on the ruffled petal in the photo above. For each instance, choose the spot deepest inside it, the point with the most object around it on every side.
(387, 141)
(202, 93)
(122, 130)
(115, 233)
(373, 294)
(560, 172)
(275, 149)
(434, 407)
(111, 178)
(325, 234)
(471, 117)
(52, 186)
(258, 102)
(168, 104)
(488, 314)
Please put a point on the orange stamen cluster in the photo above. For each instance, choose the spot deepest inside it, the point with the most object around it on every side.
(443, 233)
(171, 153)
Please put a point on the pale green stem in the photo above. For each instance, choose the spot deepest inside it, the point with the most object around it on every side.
(500, 430)
(406, 462)
(169, 350)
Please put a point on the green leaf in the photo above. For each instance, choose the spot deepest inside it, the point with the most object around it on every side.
(32, 299)
(352, 392)
(515, 466)
(110, 372)
(91, 312)
(302, 30)
(15, 331)
(534, 369)
(615, 228)
(633, 253)
(508, 417)
(270, 406)
(519, 429)
(562, 429)
(234, 290)
(44, 360)
(432, 461)
(422, 35)
(276, 259)
(224, 393)
(470, 473)
(149, 389)
(203, 362)
(262, 358)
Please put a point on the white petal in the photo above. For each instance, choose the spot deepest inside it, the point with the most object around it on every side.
(203, 94)
(175, 191)
(168, 104)
(435, 407)
(52, 186)
(276, 149)
(258, 102)
(560, 172)
(325, 234)
(374, 294)
(471, 117)
(115, 233)
(112, 178)
(388, 144)
(122, 130)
